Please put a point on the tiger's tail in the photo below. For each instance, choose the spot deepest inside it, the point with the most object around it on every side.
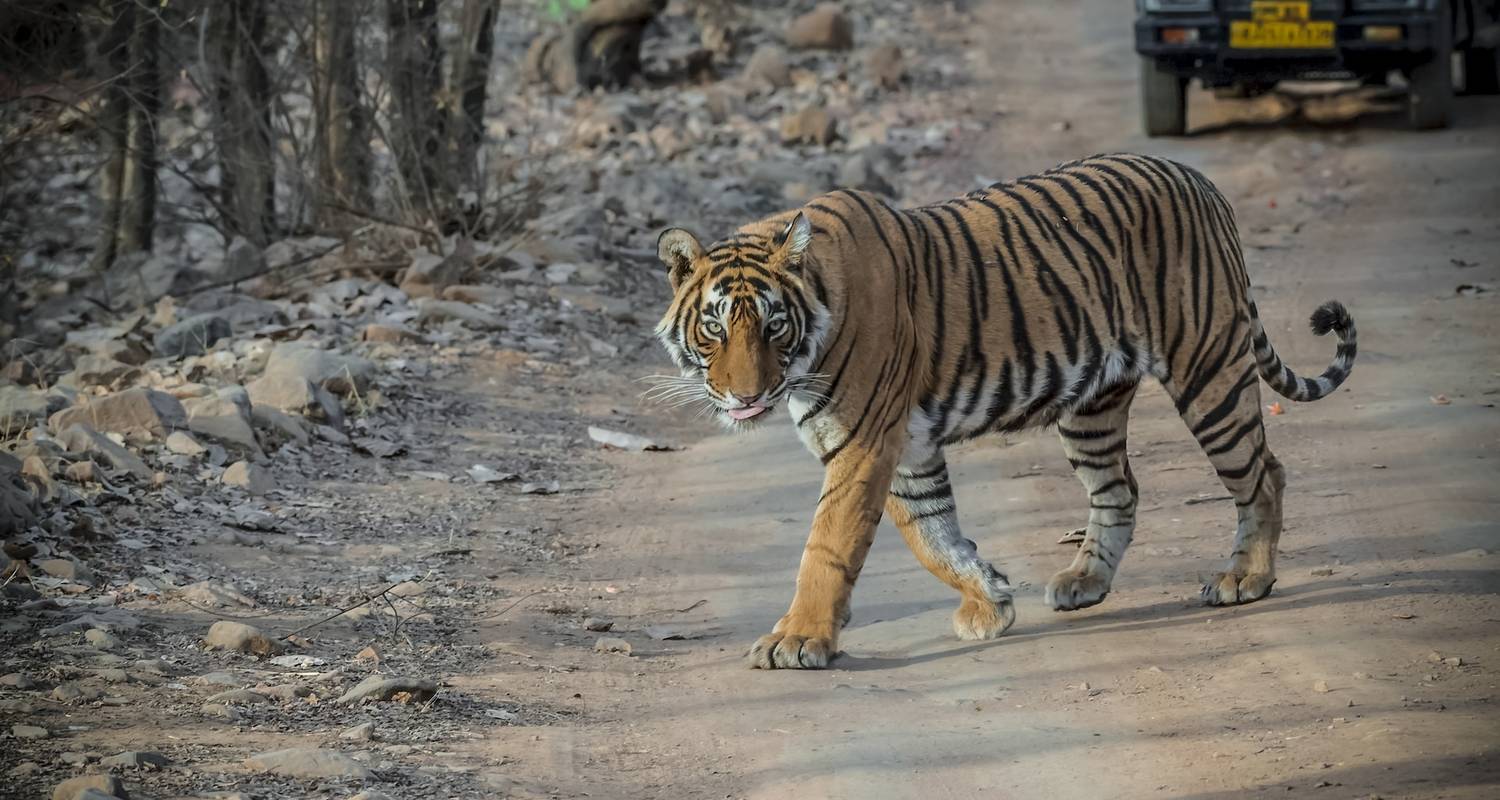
(1331, 316)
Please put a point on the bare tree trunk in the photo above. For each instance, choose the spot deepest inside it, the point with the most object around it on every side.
(470, 81)
(242, 106)
(415, 62)
(127, 54)
(343, 128)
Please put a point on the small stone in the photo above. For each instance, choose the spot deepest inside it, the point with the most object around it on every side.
(239, 697)
(17, 680)
(612, 644)
(308, 762)
(768, 68)
(82, 438)
(885, 66)
(1321, 687)
(1322, 572)
(370, 654)
(597, 625)
(215, 594)
(101, 639)
(182, 443)
(823, 28)
(1435, 657)
(82, 472)
(363, 732)
(492, 296)
(192, 336)
(134, 413)
(401, 690)
(1454, 661)
(66, 569)
(136, 759)
(239, 637)
(102, 785)
(220, 711)
(811, 125)
(293, 394)
(341, 374)
(253, 478)
(28, 732)
(1361, 676)
(388, 334)
(225, 419)
(437, 311)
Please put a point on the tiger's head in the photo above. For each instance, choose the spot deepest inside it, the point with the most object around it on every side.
(745, 322)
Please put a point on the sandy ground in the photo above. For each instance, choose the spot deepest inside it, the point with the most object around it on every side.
(1369, 672)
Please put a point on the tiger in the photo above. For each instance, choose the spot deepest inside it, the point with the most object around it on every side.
(891, 334)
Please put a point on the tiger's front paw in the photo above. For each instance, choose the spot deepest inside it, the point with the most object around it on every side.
(786, 650)
(981, 619)
(1069, 590)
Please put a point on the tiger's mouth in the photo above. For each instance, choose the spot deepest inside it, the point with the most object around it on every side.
(745, 416)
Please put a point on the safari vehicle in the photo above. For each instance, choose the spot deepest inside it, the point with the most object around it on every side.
(1243, 47)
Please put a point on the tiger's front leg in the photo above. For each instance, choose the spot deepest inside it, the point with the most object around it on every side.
(855, 482)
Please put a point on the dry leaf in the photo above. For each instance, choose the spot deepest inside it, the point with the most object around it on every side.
(1440, 400)
(1275, 409)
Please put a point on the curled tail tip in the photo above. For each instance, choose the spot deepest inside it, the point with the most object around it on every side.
(1331, 316)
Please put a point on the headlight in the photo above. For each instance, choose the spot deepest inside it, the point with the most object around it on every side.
(1178, 5)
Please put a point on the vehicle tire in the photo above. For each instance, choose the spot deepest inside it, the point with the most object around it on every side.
(1482, 70)
(1163, 100)
(1429, 98)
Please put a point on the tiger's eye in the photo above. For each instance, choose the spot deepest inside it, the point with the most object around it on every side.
(713, 328)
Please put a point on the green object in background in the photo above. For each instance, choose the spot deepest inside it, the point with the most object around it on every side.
(555, 7)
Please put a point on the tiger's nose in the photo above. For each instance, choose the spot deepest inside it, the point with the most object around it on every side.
(744, 399)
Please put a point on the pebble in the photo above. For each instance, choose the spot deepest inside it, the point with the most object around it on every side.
(403, 690)
(182, 443)
(101, 638)
(84, 785)
(136, 759)
(239, 637)
(66, 569)
(244, 697)
(597, 624)
(363, 732)
(28, 732)
(253, 478)
(17, 680)
(823, 28)
(612, 644)
(1321, 686)
(308, 762)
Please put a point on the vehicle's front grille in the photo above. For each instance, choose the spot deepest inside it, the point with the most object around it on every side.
(1318, 7)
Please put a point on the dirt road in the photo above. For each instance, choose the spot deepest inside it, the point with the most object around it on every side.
(1369, 672)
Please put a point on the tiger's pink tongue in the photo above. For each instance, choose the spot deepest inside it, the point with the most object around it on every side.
(745, 413)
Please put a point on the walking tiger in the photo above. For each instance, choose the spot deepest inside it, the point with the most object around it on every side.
(890, 334)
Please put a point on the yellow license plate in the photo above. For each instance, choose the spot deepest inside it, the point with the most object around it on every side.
(1280, 24)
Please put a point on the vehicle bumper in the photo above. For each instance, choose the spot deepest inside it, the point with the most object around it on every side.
(1212, 57)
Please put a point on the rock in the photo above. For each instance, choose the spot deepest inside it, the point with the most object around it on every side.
(363, 732)
(308, 762)
(623, 441)
(221, 419)
(1454, 661)
(242, 260)
(433, 311)
(192, 336)
(295, 395)
(17, 680)
(17, 507)
(597, 625)
(136, 759)
(34, 472)
(96, 370)
(100, 638)
(884, 66)
(138, 413)
(81, 472)
(1321, 687)
(242, 697)
(84, 439)
(214, 594)
(182, 443)
(1321, 572)
(492, 296)
(611, 644)
(866, 170)
(768, 68)
(811, 125)
(430, 273)
(241, 638)
(618, 309)
(21, 371)
(220, 711)
(66, 569)
(277, 427)
(20, 408)
(823, 28)
(602, 49)
(103, 785)
(404, 690)
(253, 478)
(388, 334)
(338, 373)
(28, 732)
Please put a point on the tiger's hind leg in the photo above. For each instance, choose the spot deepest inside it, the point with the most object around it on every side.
(1093, 438)
(1225, 418)
(921, 506)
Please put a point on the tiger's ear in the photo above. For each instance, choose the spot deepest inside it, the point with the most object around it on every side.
(678, 249)
(792, 242)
